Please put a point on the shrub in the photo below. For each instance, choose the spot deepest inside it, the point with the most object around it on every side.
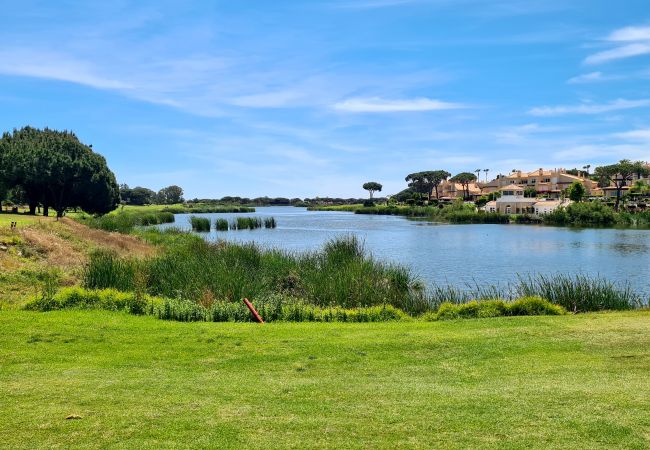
(109, 299)
(534, 306)
(528, 306)
(581, 214)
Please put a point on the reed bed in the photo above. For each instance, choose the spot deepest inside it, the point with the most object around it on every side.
(246, 223)
(201, 224)
(126, 221)
(221, 225)
(269, 222)
(342, 274)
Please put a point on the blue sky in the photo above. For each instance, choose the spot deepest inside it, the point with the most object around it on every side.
(307, 98)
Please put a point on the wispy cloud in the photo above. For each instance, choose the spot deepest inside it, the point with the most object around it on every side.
(591, 77)
(59, 67)
(380, 105)
(639, 135)
(630, 34)
(625, 51)
(588, 108)
(637, 43)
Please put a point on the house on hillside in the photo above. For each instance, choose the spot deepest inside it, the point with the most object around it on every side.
(512, 201)
(550, 183)
(451, 191)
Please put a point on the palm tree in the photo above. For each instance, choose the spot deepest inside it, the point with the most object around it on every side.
(486, 174)
(478, 174)
(586, 168)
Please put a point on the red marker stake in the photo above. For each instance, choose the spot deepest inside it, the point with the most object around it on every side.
(253, 311)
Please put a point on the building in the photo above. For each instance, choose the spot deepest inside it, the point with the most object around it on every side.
(550, 183)
(513, 201)
(451, 191)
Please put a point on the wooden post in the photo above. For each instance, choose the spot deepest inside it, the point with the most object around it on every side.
(253, 311)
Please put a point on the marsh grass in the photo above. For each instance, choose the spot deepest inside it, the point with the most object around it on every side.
(246, 223)
(269, 222)
(577, 293)
(221, 225)
(341, 274)
(125, 221)
(200, 224)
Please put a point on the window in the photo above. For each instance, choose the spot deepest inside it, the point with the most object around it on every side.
(533, 181)
(508, 209)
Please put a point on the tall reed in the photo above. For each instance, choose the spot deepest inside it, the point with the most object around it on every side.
(269, 222)
(200, 223)
(221, 225)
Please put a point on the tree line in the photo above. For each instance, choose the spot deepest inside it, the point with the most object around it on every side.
(54, 169)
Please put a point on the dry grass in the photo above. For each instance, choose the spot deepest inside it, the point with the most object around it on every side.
(121, 243)
(43, 247)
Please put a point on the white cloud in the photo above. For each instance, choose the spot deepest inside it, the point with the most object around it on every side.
(628, 34)
(587, 78)
(56, 67)
(380, 105)
(626, 51)
(640, 135)
(588, 108)
(637, 42)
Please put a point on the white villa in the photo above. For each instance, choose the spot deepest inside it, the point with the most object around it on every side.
(512, 201)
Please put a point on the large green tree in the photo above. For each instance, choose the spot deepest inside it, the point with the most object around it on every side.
(427, 182)
(464, 179)
(620, 174)
(55, 169)
(372, 187)
(170, 195)
(136, 196)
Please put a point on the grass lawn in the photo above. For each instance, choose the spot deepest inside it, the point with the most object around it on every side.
(528, 382)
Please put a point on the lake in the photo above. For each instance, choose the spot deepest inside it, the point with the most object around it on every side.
(457, 254)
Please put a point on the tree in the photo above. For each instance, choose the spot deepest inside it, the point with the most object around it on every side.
(372, 187)
(576, 191)
(486, 174)
(170, 195)
(464, 179)
(586, 169)
(136, 196)
(427, 182)
(619, 175)
(530, 192)
(55, 169)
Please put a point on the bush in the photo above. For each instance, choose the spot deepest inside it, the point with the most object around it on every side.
(528, 306)
(273, 308)
(582, 214)
(534, 306)
(109, 299)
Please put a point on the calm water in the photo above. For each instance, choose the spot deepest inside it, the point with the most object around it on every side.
(458, 254)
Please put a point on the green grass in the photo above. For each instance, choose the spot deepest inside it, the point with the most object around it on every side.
(21, 219)
(577, 381)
